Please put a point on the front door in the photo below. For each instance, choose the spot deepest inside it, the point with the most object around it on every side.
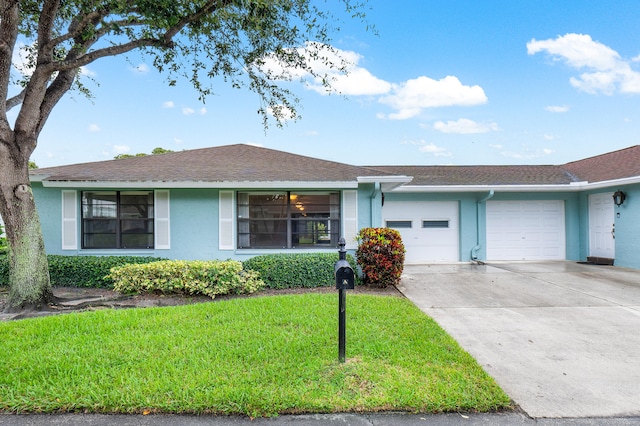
(602, 226)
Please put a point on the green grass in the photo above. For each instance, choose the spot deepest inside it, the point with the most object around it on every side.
(256, 356)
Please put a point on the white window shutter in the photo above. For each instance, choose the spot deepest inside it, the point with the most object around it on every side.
(162, 231)
(226, 220)
(69, 220)
(350, 218)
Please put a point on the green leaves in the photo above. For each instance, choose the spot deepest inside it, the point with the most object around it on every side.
(79, 271)
(195, 40)
(381, 255)
(296, 269)
(210, 278)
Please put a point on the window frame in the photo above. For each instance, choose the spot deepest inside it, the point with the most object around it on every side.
(321, 229)
(120, 219)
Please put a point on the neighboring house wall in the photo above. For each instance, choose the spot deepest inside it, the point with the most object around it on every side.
(628, 228)
(625, 218)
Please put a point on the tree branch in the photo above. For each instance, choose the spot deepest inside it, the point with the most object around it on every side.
(45, 30)
(56, 90)
(9, 21)
(208, 8)
(75, 63)
(15, 100)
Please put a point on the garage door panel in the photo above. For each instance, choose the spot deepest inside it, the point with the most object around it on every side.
(525, 230)
(434, 232)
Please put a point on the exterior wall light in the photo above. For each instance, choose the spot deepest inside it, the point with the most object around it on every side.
(618, 198)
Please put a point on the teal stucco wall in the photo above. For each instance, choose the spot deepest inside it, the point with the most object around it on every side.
(194, 222)
(194, 225)
(627, 222)
(627, 226)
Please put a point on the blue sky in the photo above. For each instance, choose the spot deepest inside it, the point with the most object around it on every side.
(443, 82)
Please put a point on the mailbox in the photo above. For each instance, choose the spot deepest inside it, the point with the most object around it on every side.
(345, 277)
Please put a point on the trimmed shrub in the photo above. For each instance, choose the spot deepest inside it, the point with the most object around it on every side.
(79, 271)
(210, 278)
(296, 270)
(380, 254)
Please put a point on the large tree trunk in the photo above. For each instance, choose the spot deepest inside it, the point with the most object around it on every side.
(29, 283)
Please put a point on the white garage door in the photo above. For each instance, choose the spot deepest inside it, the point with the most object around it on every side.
(429, 229)
(525, 230)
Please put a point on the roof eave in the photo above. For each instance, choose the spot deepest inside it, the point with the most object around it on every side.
(571, 187)
(198, 184)
(387, 183)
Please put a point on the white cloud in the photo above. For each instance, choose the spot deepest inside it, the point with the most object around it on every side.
(528, 153)
(203, 111)
(188, 111)
(178, 141)
(93, 128)
(413, 142)
(465, 126)
(411, 97)
(548, 137)
(557, 108)
(495, 146)
(168, 104)
(431, 148)
(282, 113)
(606, 71)
(338, 67)
(141, 68)
(85, 71)
(121, 149)
(342, 69)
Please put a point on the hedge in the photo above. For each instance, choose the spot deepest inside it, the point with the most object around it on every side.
(210, 278)
(296, 270)
(79, 271)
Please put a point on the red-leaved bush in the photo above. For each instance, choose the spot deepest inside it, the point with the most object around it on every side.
(380, 254)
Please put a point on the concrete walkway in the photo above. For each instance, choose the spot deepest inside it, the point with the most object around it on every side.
(562, 339)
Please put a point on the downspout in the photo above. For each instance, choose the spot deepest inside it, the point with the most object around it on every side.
(474, 251)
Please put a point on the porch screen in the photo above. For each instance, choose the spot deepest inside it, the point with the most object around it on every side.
(288, 219)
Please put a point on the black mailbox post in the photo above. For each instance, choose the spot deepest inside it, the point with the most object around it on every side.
(345, 280)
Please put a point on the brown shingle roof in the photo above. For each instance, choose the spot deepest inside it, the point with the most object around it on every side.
(482, 175)
(245, 163)
(230, 163)
(611, 166)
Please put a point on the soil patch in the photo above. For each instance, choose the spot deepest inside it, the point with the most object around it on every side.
(73, 299)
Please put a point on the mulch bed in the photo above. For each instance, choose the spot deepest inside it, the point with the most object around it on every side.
(80, 299)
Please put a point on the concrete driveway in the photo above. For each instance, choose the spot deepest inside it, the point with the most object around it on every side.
(561, 338)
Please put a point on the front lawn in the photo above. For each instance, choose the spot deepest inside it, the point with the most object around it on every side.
(253, 356)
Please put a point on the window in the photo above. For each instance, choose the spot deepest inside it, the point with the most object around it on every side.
(117, 219)
(435, 224)
(398, 224)
(288, 219)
